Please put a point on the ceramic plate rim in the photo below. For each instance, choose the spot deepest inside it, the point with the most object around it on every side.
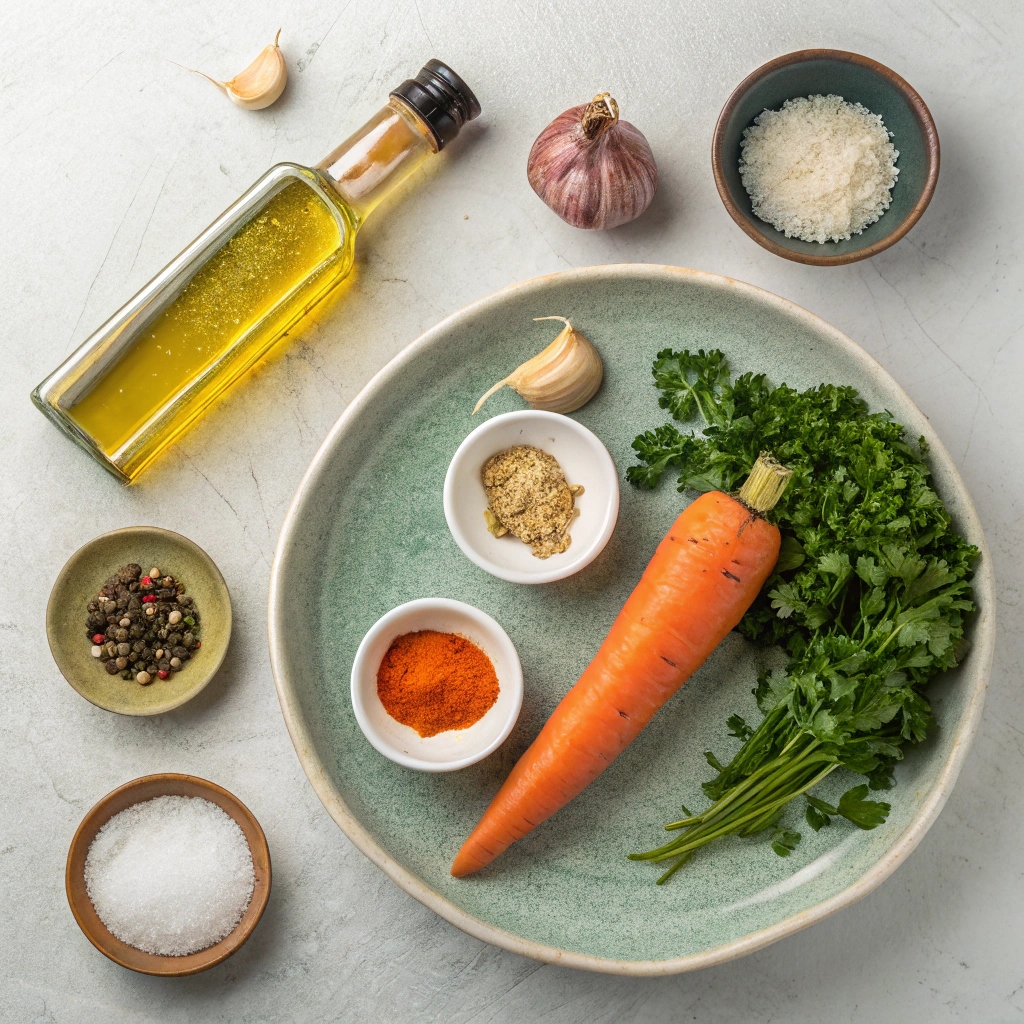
(542, 574)
(396, 614)
(903, 845)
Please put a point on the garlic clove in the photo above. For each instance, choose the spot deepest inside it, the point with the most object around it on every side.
(592, 169)
(261, 83)
(560, 378)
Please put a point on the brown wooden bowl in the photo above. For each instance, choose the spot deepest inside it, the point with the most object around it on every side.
(134, 792)
(858, 79)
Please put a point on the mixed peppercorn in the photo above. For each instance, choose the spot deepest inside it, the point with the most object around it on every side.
(142, 626)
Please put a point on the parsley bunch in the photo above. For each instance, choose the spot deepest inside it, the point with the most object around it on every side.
(868, 598)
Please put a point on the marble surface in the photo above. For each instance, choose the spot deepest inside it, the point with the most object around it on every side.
(113, 158)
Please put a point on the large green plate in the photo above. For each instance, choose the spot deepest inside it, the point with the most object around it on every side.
(366, 531)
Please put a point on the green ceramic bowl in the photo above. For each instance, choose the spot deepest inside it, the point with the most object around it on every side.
(857, 79)
(367, 532)
(78, 583)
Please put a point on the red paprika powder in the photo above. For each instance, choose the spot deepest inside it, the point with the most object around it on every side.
(434, 682)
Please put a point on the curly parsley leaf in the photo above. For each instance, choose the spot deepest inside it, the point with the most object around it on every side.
(692, 383)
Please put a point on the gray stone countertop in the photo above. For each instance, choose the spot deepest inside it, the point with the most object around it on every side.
(113, 159)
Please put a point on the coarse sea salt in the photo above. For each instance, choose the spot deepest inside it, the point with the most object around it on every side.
(820, 169)
(171, 875)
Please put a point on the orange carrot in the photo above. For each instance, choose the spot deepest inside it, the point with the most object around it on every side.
(703, 577)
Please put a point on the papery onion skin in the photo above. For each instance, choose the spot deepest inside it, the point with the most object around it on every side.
(593, 183)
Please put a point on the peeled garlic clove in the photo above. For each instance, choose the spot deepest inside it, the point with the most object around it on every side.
(261, 83)
(561, 378)
(592, 169)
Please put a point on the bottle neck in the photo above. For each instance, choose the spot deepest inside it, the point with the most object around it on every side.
(380, 156)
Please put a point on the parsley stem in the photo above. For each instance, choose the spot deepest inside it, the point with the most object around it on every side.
(737, 791)
(892, 636)
(763, 794)
(738, 822)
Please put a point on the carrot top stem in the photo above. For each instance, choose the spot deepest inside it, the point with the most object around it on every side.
(766, 484)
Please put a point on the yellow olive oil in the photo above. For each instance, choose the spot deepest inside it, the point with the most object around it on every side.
(155, 366)
(269, 272)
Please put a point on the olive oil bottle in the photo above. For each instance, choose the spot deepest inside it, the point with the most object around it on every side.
(158, 364)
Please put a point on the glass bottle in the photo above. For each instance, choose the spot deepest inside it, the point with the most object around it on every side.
(158, 363)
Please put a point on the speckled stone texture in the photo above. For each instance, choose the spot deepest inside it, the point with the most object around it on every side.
(113, 160)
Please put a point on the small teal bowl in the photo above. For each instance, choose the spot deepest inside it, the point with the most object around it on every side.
(857, 79)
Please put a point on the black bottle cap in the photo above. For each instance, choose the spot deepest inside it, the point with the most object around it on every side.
(441, 98)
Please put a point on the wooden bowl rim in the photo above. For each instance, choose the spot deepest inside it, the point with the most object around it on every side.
(151, 786)
(921, 113)
(219, 584)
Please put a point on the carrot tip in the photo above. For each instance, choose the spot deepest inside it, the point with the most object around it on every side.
(463, 865)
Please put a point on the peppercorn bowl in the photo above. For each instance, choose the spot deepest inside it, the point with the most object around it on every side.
(83, 576)
(858, 79)
(454, 748)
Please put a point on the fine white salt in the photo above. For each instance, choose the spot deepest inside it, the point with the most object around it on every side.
(819, 169)
(171, 875)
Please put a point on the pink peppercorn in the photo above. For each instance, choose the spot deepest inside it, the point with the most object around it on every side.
(148, 598)
(146, 581)
(163, 673)
(99, 638)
